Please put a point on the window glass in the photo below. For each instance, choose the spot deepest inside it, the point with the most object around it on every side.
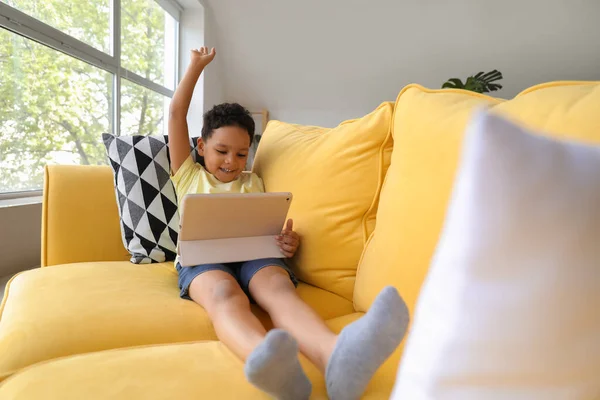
(143, 111)
(88, 21)
(53, 110)
(148, 41)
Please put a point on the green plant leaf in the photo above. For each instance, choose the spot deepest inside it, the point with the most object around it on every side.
(491, 76)
(480, 82)
(453, 83)
(474, 85)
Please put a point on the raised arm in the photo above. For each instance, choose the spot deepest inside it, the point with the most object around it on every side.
(179, 140)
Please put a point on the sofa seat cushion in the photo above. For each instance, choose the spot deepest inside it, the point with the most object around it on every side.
(79, 308)
(202, 370)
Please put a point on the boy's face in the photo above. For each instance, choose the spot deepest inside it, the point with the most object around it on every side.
(225, 152)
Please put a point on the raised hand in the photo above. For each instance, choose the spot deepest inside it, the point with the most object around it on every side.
(202, 56)
(179, 137)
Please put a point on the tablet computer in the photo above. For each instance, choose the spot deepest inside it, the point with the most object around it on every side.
(232, 227)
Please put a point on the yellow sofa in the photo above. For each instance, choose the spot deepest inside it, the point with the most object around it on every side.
(370, 199)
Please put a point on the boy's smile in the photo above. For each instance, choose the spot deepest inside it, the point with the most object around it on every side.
(225, 152)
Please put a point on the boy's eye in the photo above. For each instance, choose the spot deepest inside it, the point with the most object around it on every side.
(242, 155)
(221, 152)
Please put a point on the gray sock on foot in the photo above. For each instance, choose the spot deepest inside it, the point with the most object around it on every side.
(365, 344)
(274, 368)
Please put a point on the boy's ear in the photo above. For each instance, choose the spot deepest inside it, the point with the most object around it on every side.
(200, 147)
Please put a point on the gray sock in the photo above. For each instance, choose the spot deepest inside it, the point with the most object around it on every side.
(364, 345)
(274, 368)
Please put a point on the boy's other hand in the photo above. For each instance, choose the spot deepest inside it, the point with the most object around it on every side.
(202, 56)
(289, 240)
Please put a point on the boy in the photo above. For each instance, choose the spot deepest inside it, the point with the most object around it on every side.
(348, 360)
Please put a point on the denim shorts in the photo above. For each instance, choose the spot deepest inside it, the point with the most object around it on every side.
(243, 272)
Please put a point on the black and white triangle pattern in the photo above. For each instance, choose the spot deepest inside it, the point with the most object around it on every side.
(145, 196)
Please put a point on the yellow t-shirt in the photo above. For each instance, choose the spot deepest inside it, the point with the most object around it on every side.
(192, 178)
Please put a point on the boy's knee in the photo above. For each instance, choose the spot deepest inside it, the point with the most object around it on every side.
(226, 291)
(269, 284)
(279, 281)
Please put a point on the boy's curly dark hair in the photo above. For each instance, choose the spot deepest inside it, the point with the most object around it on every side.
(227, 114)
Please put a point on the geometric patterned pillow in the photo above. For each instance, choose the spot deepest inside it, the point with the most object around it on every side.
(145, 195)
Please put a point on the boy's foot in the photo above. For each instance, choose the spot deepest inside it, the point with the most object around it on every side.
(274, 368)
(364, 345)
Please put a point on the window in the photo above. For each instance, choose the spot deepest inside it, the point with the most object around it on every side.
(147, 41)
(53, 109)
(88, 21)
(71, 70)
(143, 112)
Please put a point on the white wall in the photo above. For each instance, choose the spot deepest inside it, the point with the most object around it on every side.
(191, 36)
(323, 61)
(197, 29)
(213, 76)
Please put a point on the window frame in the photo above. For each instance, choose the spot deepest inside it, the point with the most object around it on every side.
(31, 28)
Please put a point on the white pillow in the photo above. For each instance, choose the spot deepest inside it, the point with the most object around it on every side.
(511, 306)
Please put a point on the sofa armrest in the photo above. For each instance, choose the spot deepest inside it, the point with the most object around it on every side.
(80, 218)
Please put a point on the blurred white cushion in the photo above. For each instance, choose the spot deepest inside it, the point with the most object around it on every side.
(511, 306)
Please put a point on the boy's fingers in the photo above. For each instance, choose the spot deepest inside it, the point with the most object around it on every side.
(289, 236)
(287, 230)
(290, 225)
(286, 247)
(289, 240)
(287, 253)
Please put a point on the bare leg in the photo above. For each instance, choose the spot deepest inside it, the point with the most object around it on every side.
(273, 290)
(271, 361)
(229, 310)
(348, 360)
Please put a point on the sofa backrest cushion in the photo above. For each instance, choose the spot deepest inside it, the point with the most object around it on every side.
(335, 176)
(428, 130)
(80, 219)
